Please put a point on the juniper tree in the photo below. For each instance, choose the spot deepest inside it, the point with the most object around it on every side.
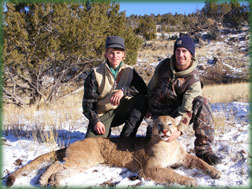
(47, 47)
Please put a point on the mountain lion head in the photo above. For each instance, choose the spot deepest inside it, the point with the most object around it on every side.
(164, 126)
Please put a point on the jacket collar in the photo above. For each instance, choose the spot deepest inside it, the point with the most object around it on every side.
(112, 70)
(184, 72)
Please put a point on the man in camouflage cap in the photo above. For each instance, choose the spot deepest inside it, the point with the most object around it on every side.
(175, 90)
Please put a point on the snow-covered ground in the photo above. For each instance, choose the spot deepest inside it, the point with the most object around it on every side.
(231, 144)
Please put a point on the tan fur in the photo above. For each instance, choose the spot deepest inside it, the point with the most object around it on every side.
(152, 158)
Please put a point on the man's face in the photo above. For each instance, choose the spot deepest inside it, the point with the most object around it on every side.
(183, 58)
(114, 56)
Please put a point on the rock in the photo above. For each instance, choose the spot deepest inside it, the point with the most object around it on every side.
(150, 70)
(202, 67)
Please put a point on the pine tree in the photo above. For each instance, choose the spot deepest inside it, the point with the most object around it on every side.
(147, 27)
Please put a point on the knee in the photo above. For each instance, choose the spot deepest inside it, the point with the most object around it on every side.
(141, 98)
(141, 101)
(200, 101)
(201, 107)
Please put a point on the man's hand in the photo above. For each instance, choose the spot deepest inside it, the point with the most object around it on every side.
(148, 115)
(174, 136)
(148, 118)
(115, 99)
(99, 128)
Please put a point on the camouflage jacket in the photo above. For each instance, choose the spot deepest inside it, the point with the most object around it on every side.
(171, 92)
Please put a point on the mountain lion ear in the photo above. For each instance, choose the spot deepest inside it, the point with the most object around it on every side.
(177, 120)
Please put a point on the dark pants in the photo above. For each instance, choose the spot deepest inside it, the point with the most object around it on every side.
(203, 125)
(131, 112)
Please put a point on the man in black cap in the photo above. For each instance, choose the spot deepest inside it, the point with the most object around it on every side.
(175, 90)
(114, 94)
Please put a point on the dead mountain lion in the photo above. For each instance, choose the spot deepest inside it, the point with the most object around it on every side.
(152, 158)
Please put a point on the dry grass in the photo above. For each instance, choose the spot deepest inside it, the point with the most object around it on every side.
(68, 110)
(54, 113)
(227, 93)
(224, 94)
(45, 120)
(219, 123)
(155, 49)
(222, 119)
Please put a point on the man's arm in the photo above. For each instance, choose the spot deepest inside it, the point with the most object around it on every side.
(185, 110)
(137, 86)
(90, 98)
(191, 93)
(153, 83)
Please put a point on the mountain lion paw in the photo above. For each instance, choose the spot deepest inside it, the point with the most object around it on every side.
(191, 182)
(215, 174)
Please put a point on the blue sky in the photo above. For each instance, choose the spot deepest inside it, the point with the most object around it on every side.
(141, 8)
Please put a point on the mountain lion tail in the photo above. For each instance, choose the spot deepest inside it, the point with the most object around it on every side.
(34, 164)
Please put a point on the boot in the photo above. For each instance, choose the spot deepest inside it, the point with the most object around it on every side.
(130, 129)
(210, 158)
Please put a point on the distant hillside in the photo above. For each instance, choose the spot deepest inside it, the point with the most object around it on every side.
(223, 60)
(228, 14)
